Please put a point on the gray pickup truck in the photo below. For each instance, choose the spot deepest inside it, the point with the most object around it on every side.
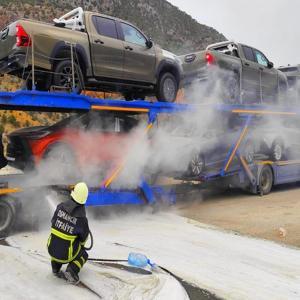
(109, 54)
(247, 76)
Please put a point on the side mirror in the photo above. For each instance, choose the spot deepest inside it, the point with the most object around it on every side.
(270, 65)
(149, 43)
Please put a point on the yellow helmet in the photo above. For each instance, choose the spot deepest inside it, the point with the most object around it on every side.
(80, 193)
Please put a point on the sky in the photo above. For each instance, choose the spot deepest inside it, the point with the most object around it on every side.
(272, 26)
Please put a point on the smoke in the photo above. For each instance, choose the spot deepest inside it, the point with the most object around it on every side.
(118, 147)
(111, 144)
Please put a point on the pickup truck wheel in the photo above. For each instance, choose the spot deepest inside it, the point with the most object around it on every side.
(167, 88)
(63, 76)
(277, 150)
(196, 165)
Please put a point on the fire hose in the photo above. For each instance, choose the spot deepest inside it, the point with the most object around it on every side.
(92, 242)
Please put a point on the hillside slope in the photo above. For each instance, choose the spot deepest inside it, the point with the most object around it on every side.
(173, 29)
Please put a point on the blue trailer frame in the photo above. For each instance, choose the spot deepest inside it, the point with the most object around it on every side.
(47, 101)
(68, 102)
(250, 174)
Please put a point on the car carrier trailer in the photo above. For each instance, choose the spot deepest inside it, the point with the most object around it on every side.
(258, 176)
(102, 195)
(262, 174)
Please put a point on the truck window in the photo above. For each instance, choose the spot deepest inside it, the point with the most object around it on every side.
(105, 26)
(132, 35)
(248, 52)
(260, 58)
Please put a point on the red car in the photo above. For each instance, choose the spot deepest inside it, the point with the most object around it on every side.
(87, 139)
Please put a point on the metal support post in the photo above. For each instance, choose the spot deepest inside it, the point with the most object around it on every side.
(73, 69)
(107, 182)
(32, 65)
(232, 152)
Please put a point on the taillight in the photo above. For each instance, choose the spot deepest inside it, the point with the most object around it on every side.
(209, 58)
(23, 39)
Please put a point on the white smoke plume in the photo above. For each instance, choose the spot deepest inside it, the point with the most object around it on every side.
(166, 150)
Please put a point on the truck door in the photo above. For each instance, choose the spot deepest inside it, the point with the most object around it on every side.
(107, 50)
(250, 77)
(269, 84)
(139, 63)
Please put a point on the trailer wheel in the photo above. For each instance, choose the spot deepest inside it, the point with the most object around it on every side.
(265, 180)
(7, 217)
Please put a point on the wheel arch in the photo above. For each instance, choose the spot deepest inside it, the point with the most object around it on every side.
(166, 66)
(61, 50)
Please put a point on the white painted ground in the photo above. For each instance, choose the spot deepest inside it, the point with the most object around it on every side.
(231, 266)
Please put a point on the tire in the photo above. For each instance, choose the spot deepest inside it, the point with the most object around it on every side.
(63, 76)
(265, 180)
(197, 165)
(7, 216)
(167, 88)
(277, 150)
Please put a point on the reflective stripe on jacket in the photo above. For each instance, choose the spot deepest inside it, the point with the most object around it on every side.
(62, 247)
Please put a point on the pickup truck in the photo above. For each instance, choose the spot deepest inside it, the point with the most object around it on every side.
(87, 50)
(245, 73)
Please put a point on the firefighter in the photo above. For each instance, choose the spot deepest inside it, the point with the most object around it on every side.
(69, 232)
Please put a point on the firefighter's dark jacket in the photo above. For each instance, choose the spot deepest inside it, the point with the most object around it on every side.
(69, 231)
